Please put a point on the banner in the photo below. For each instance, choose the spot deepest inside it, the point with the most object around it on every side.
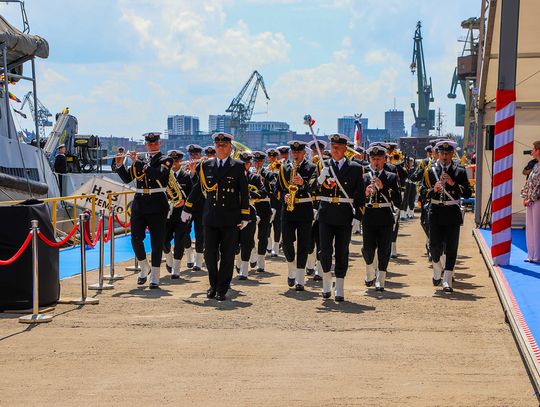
(101, 186)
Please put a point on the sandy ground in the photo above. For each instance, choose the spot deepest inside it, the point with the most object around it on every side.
(269, 345)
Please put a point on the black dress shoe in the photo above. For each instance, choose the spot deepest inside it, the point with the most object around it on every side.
(253, 264)
(210, 293)
(141, 280)
(189, 265)
(260, 270)
(169, 269)
(242, 278)
(154, 286)
(393, 256)
(379, 288)
(196, 268)
(237, 269)
(369, 283)
(274, 255)
(436, 282)
(339, 299)
(221, 297)
(448, 289)
(310, 272)
(175, 276)
(299, 287)
(326, 295)
(290, 282)
(317, 277)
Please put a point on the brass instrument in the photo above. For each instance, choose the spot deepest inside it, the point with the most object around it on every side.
(397, 157)
(350, 153)
(174, 191)
(274, 166)
(293, 188)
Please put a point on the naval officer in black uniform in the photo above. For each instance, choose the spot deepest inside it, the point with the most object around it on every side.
(382, 198)
(275, 200)
(195, 259)
(341, 199)
(263, 208)
(297, 212)
(223, 182)
(313, 265)
(150, 205)
(174, 227)
(60, 166)
(447, 184)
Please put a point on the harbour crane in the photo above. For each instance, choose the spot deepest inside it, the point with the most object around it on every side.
(424, 118)
(241, 107)
(43, 113)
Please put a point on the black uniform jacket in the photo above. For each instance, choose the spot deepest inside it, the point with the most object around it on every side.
(256, 191)
(60, 164)
(446, 214)
(227, 198)
(155, 174)
(184, 182)
(302, 212)
(263, 207)
(389, 193)
(350, 176)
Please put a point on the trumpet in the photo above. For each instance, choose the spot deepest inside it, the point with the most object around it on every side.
(397, 157)
(293, 188)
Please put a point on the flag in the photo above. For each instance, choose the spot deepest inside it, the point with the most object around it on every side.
(13, 97)
(357, 133)
(19, 112)
(309, 120)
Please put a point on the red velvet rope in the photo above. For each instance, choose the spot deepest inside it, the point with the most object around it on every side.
(93, 242)
(124, 225)
(19, 252)
(60, 243)
(110, 230)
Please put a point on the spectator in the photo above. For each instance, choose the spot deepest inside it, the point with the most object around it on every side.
(531, 200)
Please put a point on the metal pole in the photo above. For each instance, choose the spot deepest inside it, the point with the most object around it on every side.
(112, 276)
(100, 284)
(135, 268)
(34, 95)
(35, 317)
(6, 90)
(84, 285)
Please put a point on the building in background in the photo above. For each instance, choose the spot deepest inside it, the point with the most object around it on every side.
(268, 126)
(394, 123)
(346, 125)
(374, 135)
(219, 122)
(181, 125)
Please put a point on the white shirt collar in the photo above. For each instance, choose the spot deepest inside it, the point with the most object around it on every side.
(340, 162)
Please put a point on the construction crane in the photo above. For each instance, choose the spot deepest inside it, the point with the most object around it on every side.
(241, 107)
(43, 113)
(424, 119)
(465, 77)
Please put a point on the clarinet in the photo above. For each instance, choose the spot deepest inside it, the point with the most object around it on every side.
(374, 175)
(442, 182)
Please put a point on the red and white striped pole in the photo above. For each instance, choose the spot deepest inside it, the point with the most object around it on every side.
(503, 142)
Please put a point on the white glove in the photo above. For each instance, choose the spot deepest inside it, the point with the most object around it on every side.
(273, 215)
(243, 224)
(325, 173)
(185, 217)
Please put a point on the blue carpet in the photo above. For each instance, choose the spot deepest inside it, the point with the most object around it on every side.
(70, 259)
(523, 279)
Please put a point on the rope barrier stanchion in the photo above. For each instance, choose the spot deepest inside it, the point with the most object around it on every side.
(35, 317)
(112, 276)
(84, 299)
(100, 284)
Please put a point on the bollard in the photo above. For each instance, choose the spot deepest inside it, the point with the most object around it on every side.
(100, 284)
(35, 317)
(112, 276)
(135, 266)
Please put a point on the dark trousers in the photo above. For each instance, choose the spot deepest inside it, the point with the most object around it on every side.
(409, 196)
(263, 228)
(424, 218)
(292, 231)
(314, 242)
(176, 229)
(341, 235)
(199, 232)
(187, 236)
(156, 225)
(377, 237)
(246, 240)
(444, 239)
(219, 249)
(395, 231)
(276, 224)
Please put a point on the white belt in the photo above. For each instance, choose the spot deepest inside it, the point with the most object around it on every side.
(148, 191)
(437, 202)
(259, 200)
(376, 205)
(303, 200)
(335, 199)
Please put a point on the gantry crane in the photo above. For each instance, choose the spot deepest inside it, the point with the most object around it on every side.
(241, 107)
(423, 119)
(43, 113)
(465, 77)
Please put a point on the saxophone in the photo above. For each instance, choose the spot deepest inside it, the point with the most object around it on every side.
(293, 188)
(174, 191)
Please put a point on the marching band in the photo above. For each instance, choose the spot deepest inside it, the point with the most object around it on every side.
(307, 205)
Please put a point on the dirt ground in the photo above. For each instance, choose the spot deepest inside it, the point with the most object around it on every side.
(271, 346)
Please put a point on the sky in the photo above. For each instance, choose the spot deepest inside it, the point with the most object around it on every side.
(123, 66)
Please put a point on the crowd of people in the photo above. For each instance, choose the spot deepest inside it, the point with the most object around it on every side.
(304, 199)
